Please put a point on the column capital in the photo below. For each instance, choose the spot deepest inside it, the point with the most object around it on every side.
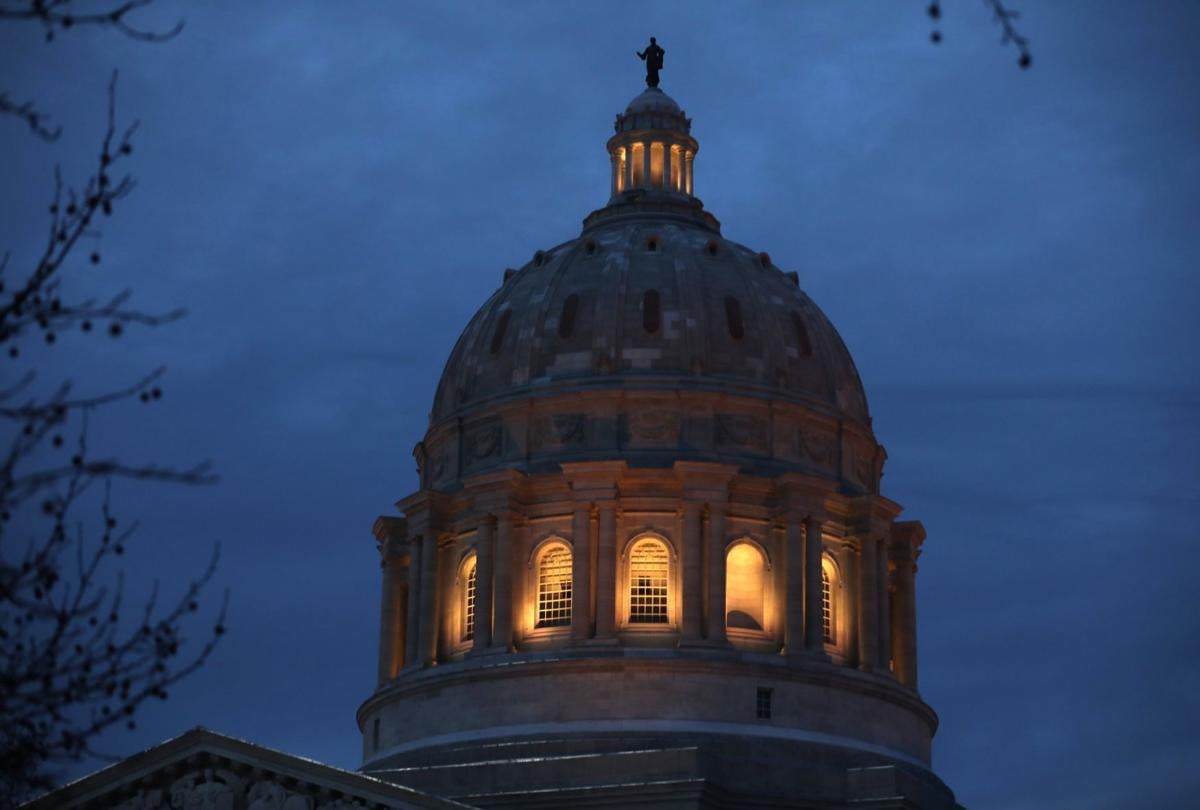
(391, 535)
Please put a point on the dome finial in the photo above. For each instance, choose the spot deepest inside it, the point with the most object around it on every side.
(653, 57)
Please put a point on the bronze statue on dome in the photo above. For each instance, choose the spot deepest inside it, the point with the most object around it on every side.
(653, 57)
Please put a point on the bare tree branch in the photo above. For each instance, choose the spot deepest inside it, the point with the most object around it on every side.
(29, 114)
(53, 15)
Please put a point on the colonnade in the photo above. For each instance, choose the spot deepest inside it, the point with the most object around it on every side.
(652, 164)
(880, 567)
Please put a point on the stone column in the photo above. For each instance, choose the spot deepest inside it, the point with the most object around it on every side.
(693, 572)
(666, 184)
(628, 166)
(412, 619)
(904, 616)
(814, 630)
(868, 606)
(885, 613)
(794, 626)
(606, 570)
(646, 164)
(616, 167)
(391, 634)
(688, 156)
(716, 572)
(503, 633)
(581, 574)
(429, 607)
(483, 585)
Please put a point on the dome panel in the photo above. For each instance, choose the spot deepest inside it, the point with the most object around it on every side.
(719, 319)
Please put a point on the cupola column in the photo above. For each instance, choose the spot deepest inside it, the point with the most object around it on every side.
(502, 637)
(606, 570)
(716, 572)
(794, 625)
(814, 629)
(693, 571)
(646, 164)
(688, 173)
(581, 573)
(483, 585)
(868, 604)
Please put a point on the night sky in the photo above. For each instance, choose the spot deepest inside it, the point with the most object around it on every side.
(1011, 257)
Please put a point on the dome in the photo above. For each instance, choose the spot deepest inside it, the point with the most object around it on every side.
(650, 338)
(651, 303)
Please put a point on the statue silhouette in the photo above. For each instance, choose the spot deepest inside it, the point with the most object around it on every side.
(653, 57)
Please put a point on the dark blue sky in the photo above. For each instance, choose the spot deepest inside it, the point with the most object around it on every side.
(1012, 257)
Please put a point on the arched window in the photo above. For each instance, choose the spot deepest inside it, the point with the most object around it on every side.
(651, 311)
(828, 601)
(566, 321)
(733, 318)
(745, 581)
(468, 597)
(554, 586)
(501, 328)
(801, 335)
(649, 575)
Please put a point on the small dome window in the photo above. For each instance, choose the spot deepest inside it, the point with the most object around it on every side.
(589, 248)
(652, 244)
(539, 258)
(801, 335)
(566, 321)
(501, 328)
(764, 261)
(651, 311)
(733, 318)
(712, 248)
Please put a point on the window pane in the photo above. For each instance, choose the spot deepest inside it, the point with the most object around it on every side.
(648, 573)
(554, 588)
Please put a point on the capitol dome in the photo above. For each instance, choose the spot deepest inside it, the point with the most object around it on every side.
(648, 561)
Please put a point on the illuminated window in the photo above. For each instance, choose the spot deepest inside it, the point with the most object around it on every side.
(469, 602)
(828, 601)
(745, 578)
(648, 576)
(638, 156)
(554, 587)
(656, 165)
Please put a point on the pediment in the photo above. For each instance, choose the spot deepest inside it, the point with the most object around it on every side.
(204, 770)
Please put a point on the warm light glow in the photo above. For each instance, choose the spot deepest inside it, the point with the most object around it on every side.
(828, 601)
(688, 172)
(638, 155)
(656, 165)
(554, 587)
(676, 168)
(744, 586)
(621, 166)
(648, 577)
(469, 603)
